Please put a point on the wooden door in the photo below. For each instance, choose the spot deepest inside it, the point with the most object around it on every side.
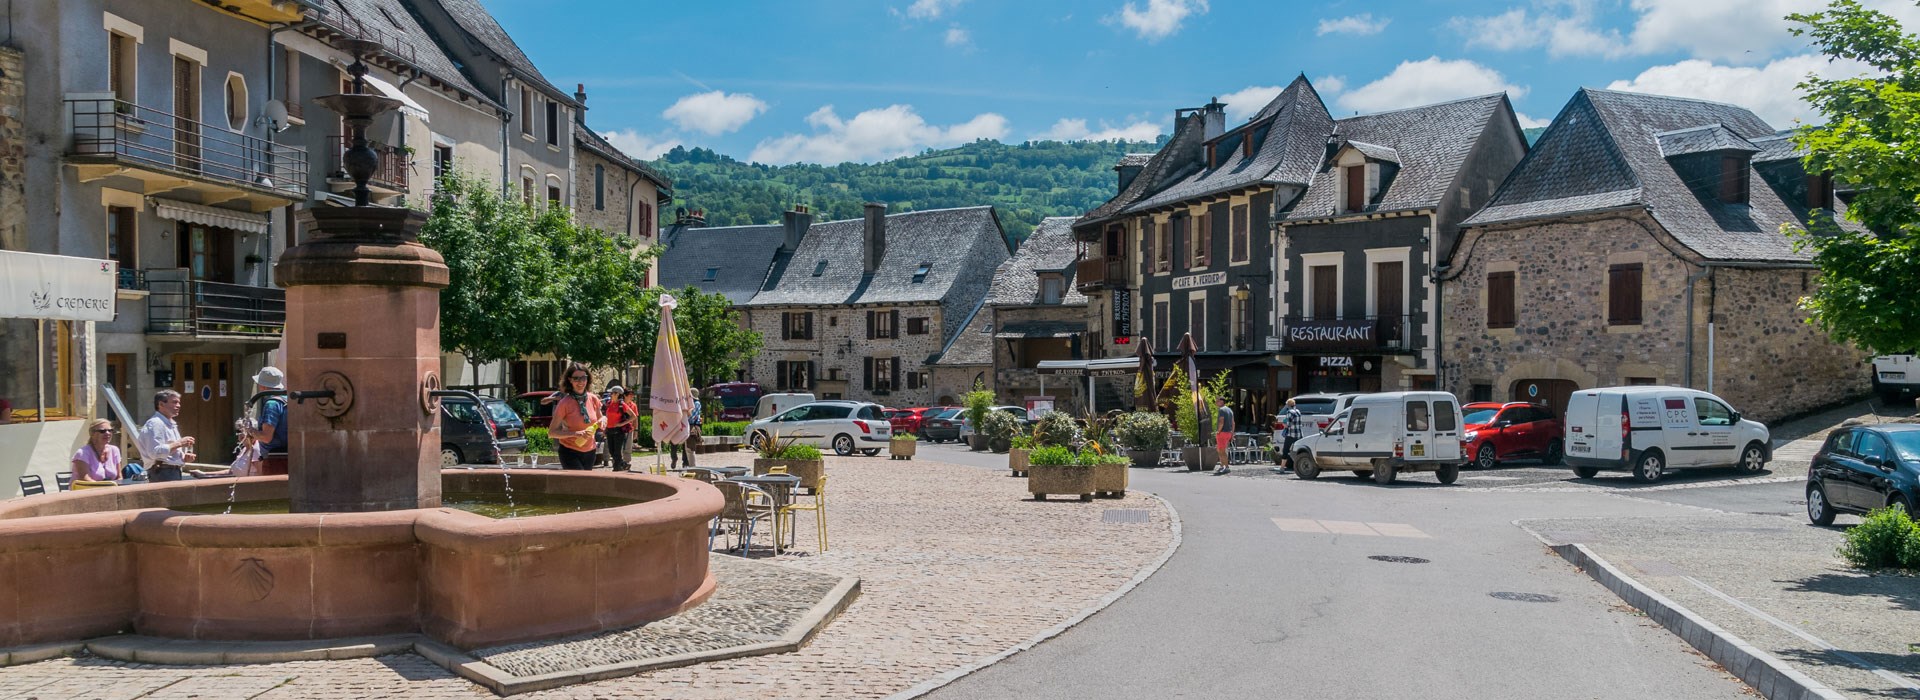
(206, 387)
(120, 381)
(186, 113)
(1389, 300)
(206, 252)
(1553, 393)
(1326, 292)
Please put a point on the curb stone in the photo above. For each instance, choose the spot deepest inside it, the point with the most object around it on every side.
(1761, 671)
(945, 679)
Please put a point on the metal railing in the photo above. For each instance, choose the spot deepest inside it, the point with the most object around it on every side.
(178, 305)
(1100, 273)
(123, 132)
(394, 163)
(131, 278)
(1350, 332)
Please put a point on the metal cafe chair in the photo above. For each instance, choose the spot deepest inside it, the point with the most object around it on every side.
(1172, 456)
(63, 481)
(32, 485)
(819, 508)
(741, 511)
(1243, 450)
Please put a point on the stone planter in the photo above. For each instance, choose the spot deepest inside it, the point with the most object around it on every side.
(902, 449)
(1000, 444)
(1194, 454)
(719, 443)
(1144, 459)
(1017, 461)
(977, 442)
(809, 470)
(1110, 480)
(1048, 479)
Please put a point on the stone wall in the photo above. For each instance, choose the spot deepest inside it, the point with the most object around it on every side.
(840, 342)
(1014, 380)
(1561, 329)
(16, 336)
(952, 382)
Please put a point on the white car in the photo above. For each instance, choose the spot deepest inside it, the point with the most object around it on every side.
(1316, 411)
(1384, 435)
(1651, 429)
(1019, 413)
(845, 427)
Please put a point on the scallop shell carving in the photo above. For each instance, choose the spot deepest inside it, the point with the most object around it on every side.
(253, 576)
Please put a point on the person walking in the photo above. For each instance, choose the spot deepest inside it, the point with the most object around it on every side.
(1290, 432)
(622, 415)
(270, 435)
(693, 435)
(98, 460)
(161, 446)
(575, 419)
(1223, 425)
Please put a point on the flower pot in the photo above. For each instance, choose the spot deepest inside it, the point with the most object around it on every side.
(977, 442)
(1047, 479)
(1199, 458)
(809, 470)
(902, 449)
(1110, 480)
(1000, 444)
(1144, 459)
(1017, 461)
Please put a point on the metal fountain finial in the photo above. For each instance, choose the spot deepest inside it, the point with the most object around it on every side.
(359, 108)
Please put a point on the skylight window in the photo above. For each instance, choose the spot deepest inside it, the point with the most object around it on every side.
(920, 273)
(712, 273)
(820, 269)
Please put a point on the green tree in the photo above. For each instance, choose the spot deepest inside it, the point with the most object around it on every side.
(495, 305)
(1870, 140)
(711, 337)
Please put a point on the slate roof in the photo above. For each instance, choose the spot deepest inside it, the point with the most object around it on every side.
(1702, 139)
(974, 344)
(1603, 152)
(1430, 144)
(394, 25)
(591, 141)
(963, 245)
(1295, 123)
(474, 19)
(1777, 147)
(743, 254)
(1133, 159)
(1049, 247)
(1180, 156)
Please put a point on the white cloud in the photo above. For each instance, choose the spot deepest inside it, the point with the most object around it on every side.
(1076, 130)
(1247, 102)
(1359, 25)
(1527, 122)
(1565, 29)
(876, 134)
(1415, 83)
(1330, 84)
(931, 9)
(958, 37)
(641, 146)
(1161, 18)
(714, 112)
(1767, 90)
(1729, 31)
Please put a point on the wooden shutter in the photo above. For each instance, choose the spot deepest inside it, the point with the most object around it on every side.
(870, 328)
(1733, 179)
(786, 326)
(867, 377)
(1819, 191)
(1152, 242)
(893, 324)
(807, 322)
(116, 77)
(1389, 281)
(1500, 311)
(1241, 241)
(1356, 187)
(813, 375)
(894, 382)
(1623, 295)
(1326, 292)
(780, 374)
(1183, 237)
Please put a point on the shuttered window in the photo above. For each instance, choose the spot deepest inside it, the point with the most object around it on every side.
(918, 325)
(1326, 292)
(1500, 311)
(1242, 243)
(1820, 191)
(1733, 179)
(1161, 324)
(1163, 260)
(1356, 187)
(1623, 295)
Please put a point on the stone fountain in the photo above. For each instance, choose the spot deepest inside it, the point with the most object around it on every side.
(365, 548)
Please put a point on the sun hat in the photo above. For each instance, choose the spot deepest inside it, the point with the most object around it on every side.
(270, 378)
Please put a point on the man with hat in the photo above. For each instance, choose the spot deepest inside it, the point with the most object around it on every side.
(271, 432)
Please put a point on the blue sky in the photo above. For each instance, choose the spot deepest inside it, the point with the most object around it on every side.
(828, 82)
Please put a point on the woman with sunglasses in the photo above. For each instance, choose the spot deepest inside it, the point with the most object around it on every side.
(99, 459)
(576, 419)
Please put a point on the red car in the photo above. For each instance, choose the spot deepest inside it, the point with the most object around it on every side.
(1497, 432)
(907, 420)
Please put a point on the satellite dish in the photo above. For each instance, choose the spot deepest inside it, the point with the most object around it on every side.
(276, 115)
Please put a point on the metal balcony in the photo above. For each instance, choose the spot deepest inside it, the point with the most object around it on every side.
(389, 178)
(177, 305)
(115, 138)
(1097, 273)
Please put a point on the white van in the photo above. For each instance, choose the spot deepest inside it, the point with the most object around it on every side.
(774, 404)
(1651, 429)
(1382, 435)
(1896, 377)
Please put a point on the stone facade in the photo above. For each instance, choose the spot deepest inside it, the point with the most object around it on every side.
(1015, 358)
(1561, 331)
(16, 336)
(840, 351)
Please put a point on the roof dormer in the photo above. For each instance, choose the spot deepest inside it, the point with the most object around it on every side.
(1363, 171)
(1712, 160)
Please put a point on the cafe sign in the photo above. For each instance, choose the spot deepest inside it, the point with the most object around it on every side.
(1331, 335)
(1201, 280)
(1122, 313)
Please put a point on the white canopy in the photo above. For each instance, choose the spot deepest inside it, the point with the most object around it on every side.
(35, 285)
(210, 216)
(407, 104)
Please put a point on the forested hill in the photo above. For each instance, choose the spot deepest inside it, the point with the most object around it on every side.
(1024, 182)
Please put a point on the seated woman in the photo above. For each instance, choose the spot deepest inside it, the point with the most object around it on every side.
(98, 460)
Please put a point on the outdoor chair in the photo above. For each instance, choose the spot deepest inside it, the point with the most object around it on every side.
(32, 485)
(63, 481)
(1172, 456)
(1243, 450)
(819, 508)
(741, 511)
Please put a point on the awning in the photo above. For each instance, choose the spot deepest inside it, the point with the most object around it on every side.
(407, 105)
(1041, 329)
(177, 210)
(61, 287)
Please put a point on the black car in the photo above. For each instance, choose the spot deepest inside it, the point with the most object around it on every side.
(1862, 468)
(941, 425)
(478, 433)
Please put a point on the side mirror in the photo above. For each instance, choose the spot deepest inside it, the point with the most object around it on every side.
(1502, 424)
(1734, 419)
(1880, 463)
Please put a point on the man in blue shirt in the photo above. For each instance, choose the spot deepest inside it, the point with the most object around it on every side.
(272, 429)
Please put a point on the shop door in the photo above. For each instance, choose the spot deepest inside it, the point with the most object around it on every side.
(1553, 393)
(205, 383)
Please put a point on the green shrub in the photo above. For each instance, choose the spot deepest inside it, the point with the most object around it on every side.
(1143, 431)
(978, 402)
(1055, 429)
(539, 443)
(1023, 442)
(999, 425)
(906, 437)
(1886, 537)
(723, 428)
(797, 451)
(1050, 457)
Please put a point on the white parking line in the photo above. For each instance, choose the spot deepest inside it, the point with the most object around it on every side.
(1896, 678)
(1342, 527)
(1299, 525)
(1398, 530)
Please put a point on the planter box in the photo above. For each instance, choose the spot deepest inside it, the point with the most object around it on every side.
(977, 442)
(1195, 454)
(902, 449)
(1048, 479)
(1000, 444)
(1110, 480)
(1144, 459)
(809, 470)
(1017, 461)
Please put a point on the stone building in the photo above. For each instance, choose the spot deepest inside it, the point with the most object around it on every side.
(1639, 243)
(1039, 314)
(618, 193)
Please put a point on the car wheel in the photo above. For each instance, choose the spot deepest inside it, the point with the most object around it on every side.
(450, 457)
(1384, 474)
(757, 440)
(1448, 474)
(1651, 466)
(1362, 474)
(1753, 460)
(1485, 458)
(1818, 509)
(843, 445)
(869, 453)
(1895, 500)
(1586, 472)
(1555, 452)
(1305, 468)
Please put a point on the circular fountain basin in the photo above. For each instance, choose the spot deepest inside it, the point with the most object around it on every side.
(97, 562)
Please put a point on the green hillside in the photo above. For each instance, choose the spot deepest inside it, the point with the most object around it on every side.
(1024, 182)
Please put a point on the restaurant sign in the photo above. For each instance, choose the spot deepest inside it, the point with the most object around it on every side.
(1122, 313)
(1202, 280)
(1331, 335)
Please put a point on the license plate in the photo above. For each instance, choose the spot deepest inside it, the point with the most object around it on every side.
(1893, 375)
(1419, 450)
(1577, 447)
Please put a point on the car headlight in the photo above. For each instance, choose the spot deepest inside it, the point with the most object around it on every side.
(1471, 434)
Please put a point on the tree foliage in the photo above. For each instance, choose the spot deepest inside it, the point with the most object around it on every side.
(711, 337)
(1871, 141)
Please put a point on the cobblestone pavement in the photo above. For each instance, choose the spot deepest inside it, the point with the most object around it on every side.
(956, 564)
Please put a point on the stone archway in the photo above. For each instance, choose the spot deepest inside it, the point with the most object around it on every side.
(1553, 379)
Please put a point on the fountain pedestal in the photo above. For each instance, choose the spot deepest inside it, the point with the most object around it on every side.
(363, 322)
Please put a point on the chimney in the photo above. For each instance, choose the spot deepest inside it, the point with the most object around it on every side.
(796, 221)
(1127, 173)
(580, 96)
(874, 237)
(1215, 115)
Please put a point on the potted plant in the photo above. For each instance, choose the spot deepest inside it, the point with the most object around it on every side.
(1055, 429)
(1143, 435)
(1017, 456)
(979, 403)
(800, 460)
(1053, 470)
(1000, 428)
(902, 446)
(1109, 472)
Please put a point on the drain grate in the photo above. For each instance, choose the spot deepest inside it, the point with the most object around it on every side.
(1397, 560)
(1525, 597)
(1125, 515)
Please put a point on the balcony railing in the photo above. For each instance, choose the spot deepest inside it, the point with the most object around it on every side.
(1093, 274)
(391, 175)
(181, 306)
(1348, 334)
(124, 133)
(131, 279)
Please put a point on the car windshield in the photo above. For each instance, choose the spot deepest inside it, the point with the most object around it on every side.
(502, 413)
(462, 411)
(742, 401)
(949, 413)
(1478, 416)
(871, 413)
(1906, 443)
(1315, 407)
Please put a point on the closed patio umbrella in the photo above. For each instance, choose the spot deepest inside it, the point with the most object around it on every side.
(1143, 377)
(672, 397)
(1188, 349)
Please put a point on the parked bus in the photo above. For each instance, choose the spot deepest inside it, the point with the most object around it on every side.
(737, 399)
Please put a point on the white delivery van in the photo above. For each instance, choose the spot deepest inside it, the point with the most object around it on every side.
(1383, 435)
(1651, 429)
(774, 404)
(1896, 377)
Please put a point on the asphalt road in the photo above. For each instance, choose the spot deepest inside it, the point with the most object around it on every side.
(1248, 608)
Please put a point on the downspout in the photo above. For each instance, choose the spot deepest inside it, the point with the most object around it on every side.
(506, 117)
(1438, 315)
